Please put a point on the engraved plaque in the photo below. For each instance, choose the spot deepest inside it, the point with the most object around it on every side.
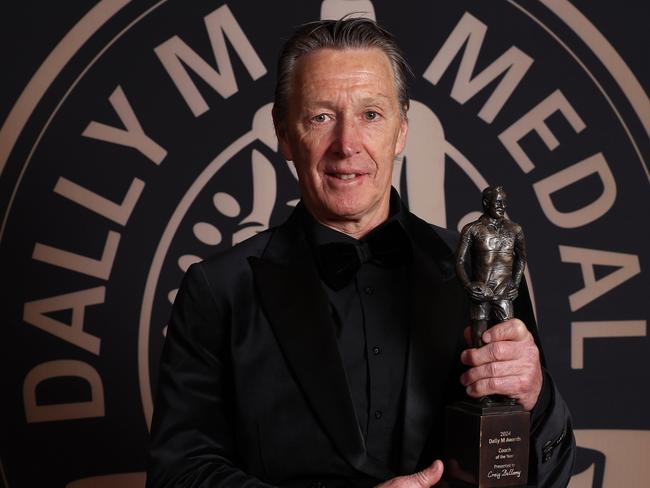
(486, 446)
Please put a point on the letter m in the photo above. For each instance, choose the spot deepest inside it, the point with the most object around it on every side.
(470, 32)
(175, 55)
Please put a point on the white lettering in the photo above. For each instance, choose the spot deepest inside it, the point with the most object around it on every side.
(98, 268)
(117, 212)
(627, 264)
(133, 136)
(63, 411)
(589, 330)
(535, 120)
(471, 32)
(174, 50)
(34, 314)
(595, 164)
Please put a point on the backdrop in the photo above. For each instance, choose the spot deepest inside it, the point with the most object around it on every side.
(137, 139)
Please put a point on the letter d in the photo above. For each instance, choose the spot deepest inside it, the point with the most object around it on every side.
(63, 411)
(595, 164)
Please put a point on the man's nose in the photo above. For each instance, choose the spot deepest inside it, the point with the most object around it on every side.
(347, 139)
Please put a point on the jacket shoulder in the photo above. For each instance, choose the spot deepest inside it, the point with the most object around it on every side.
(436, 242)
(447, 236)
(224, 269)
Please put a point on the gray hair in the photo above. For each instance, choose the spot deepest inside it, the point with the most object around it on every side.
(346, 33)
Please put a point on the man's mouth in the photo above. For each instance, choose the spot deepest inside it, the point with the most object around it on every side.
(343, 176)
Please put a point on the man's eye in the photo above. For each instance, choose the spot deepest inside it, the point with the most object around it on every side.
(320, 118)
(371, 115)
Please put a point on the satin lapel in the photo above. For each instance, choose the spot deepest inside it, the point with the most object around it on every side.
(297, 308)
(436, 309)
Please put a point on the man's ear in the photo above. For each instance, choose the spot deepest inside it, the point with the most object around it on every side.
(281, 133)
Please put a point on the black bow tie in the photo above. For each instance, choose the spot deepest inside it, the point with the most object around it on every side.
(386, 246)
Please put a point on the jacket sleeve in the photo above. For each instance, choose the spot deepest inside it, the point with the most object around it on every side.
(193, 441)
(552, 444)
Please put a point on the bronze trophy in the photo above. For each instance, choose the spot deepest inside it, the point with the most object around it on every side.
(487, 439)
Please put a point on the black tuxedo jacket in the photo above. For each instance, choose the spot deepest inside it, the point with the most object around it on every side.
(252, 391)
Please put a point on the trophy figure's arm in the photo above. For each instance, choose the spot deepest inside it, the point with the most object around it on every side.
(461, 257)
(520, 259)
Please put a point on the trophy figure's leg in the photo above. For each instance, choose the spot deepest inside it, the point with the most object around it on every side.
(478, 328)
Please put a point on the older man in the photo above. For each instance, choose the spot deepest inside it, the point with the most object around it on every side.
(322, 352)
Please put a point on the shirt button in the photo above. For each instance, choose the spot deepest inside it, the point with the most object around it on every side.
(376, 350)
(369, 290)
(378, 414)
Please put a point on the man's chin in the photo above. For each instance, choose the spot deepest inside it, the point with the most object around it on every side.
(358, 213)
(345, 213)
(348, 203)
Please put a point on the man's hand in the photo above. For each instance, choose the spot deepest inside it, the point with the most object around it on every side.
(508, 364)
(422, 479)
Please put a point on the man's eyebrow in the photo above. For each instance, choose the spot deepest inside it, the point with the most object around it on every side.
(374, 98)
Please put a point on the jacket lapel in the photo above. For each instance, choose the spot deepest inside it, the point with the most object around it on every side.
(296, 306)
(435, 339)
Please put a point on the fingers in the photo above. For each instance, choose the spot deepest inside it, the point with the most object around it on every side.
(510, 330)
(524, 388)
(520, 379)
(429, 476)
(510, 386)
(496, 369)
(497, 351)
(506, 341)
(515, 379)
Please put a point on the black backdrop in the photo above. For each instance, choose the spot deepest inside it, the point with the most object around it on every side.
(98, 225)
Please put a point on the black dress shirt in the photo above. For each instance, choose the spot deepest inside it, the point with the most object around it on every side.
(371, 318)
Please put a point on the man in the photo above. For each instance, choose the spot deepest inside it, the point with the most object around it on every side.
(498, 252)
(322, 352)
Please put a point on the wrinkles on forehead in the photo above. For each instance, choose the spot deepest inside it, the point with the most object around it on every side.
(307, 83)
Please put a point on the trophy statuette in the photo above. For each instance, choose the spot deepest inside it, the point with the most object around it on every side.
(487, 439)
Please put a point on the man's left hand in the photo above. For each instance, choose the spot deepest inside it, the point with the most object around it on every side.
(508, 364)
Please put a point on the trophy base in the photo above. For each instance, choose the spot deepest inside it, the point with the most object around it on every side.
(486, 445)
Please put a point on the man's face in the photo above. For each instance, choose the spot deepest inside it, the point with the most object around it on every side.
(496, 205)
(343, 130)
